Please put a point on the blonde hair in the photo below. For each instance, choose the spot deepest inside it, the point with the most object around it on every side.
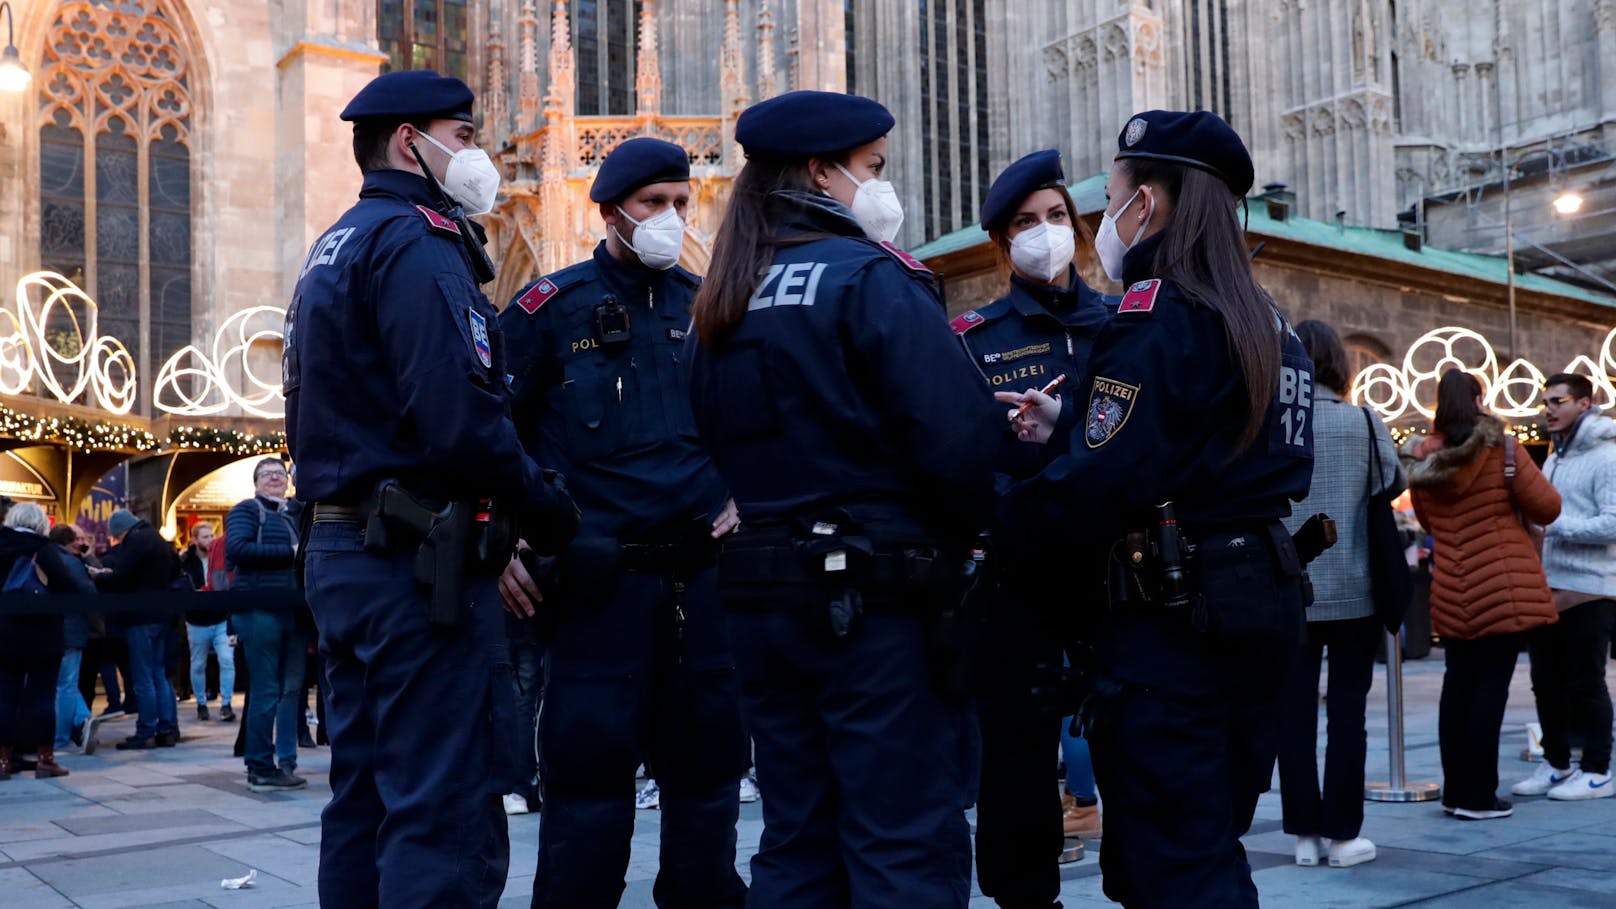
(28, 516)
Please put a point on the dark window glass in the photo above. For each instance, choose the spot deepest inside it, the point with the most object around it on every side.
(423, 34)
(390, 33)
(61, 196)
(169, 210)
(982, 111)
(850, 25)
(117, 233)
(928, 124)
(586, 50)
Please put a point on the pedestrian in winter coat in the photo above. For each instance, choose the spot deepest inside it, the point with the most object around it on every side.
(1487, 587)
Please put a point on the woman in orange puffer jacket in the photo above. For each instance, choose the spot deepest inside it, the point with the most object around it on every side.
(1488, 586)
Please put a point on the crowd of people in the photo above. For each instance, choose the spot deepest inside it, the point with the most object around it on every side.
(53, 654)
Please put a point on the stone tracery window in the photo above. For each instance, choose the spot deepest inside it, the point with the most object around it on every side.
(115, 167)
(423, 34)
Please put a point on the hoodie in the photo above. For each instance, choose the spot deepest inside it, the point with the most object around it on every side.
(1579, 548)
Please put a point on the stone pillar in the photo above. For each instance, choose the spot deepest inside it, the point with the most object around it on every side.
(648, 67)
(732, 84)
(821, 44)
(1605, 56)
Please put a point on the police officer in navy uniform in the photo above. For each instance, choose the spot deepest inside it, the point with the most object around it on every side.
(857, 442)
(1042, 329)
(394, 378)
(1181, 450)
(638, 665)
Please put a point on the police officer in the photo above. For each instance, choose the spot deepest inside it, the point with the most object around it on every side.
(1190, 437)
(394, 371)
(1043, 328)
(638, 667)
(856, 440)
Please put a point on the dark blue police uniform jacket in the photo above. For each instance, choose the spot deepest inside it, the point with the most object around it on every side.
(614, 418)
(394, 366)
(842, 388)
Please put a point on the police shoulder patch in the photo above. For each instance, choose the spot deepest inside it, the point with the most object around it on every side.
(1141, 297)
(479, 338)
(966, 321)
(1110, 404)
(438, 222)
(909, 261)
(537, 295)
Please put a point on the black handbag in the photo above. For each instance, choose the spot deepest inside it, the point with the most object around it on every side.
(1389, 581)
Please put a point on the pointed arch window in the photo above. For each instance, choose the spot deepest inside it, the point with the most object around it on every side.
(115, 168)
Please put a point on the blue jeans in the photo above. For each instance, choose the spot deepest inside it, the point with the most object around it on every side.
(274, 650)
(1079, 767)
(216, 638)
(154, 697)
(70, 707)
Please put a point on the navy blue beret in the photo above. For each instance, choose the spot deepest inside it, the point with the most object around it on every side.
(1199, 138)
(806, 124)
(407, 94)
(1018, 181)
(636, 163)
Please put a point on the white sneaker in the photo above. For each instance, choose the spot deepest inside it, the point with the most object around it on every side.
(1583, 786)
(1543, 778)
(1346, 853)
(650, 797)
(749, 790)
(1308, 850)
(515, 804)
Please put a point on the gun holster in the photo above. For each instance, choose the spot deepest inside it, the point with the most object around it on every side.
(445, 539)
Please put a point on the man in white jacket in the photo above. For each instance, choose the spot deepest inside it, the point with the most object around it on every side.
(1579, 557)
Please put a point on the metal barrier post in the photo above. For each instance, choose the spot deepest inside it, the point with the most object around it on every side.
(1397, 789)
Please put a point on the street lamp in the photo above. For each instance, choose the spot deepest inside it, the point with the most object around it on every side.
(1568, 203)
(13, 75)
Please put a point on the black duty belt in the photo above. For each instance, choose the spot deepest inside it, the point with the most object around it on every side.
(337, 514)
(772, 565)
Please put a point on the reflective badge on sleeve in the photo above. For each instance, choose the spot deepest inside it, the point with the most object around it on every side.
(479, 338)
(1110, 403)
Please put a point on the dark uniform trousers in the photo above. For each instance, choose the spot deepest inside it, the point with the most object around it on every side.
(626, 682)
(421, 721)
(862, 763)
(1210, 700)
(1019, 834)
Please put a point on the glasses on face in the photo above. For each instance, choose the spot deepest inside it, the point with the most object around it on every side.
(272, 475)
(1556, 401)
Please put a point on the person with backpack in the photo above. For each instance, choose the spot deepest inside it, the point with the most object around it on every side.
(141, 561)
(261, 550)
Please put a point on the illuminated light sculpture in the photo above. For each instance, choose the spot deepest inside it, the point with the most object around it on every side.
(1511, 393)
(100, 365)
(212, 386)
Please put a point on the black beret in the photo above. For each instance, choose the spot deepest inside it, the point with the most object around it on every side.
(1198, 138)
(411, 93)
(1018, 181)
(806, 124)
(636, 163)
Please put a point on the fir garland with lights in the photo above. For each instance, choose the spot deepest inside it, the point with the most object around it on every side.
(100, 435)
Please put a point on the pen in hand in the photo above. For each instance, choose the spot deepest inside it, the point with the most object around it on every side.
(1047, 389)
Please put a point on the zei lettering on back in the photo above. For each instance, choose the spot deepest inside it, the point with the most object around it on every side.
(796, 284)
(1294, 404)
(327, 249)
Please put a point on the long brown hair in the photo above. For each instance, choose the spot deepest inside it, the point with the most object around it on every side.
(1203, 253)
(744, 245)
(1456, 410)
(1085, 234)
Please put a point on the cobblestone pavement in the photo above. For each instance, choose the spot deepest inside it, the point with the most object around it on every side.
(164, 827)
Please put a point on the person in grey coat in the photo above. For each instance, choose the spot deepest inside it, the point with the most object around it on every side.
(1341, 619)
(1579, 557)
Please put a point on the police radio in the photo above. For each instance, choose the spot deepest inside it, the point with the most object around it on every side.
(482, 267)
(611, 321)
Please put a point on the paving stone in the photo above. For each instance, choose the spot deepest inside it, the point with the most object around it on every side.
(1532, 891)
(21, 890)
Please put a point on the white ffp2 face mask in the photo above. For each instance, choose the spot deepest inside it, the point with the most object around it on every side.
(657, 239)
(470, 179)
(876, 207)
(1044, 252)
(1108, 243)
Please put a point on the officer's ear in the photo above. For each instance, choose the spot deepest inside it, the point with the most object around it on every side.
(609, 213)
(819, 171)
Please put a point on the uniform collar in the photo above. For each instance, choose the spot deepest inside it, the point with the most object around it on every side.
(799, 212)
(1074, 304)
(1140, 262)
(629, 278)
(400, 184)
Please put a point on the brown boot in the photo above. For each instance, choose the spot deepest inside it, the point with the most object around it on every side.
(5, 762)
(1080, 820)
(47, 766)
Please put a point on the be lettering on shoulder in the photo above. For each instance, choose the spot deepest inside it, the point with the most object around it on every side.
(1294, 403)
(796, 284)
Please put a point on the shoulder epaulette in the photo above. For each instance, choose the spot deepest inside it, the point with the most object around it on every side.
(909, 261)
(1141, 297)
(537, 294)
(438, 222)
(966, 321)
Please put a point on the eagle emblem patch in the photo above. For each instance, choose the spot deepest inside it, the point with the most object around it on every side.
(479, 338)
(1110, 404)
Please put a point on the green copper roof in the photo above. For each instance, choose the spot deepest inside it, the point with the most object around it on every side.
(1089, 195)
